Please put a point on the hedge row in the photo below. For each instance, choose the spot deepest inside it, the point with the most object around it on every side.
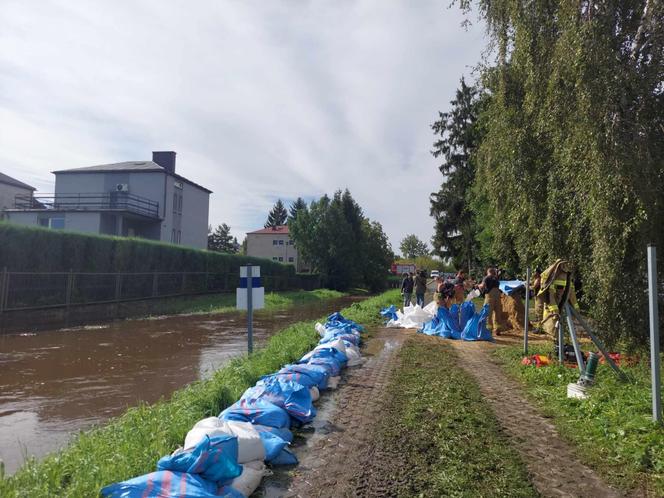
(38, 249)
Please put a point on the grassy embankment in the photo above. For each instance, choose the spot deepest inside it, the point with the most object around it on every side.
(131, 444)
(613, 429)
(224, 303)
(443, 439)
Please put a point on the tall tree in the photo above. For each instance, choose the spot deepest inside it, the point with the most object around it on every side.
(459, 135)
(221, 240)
(412, 247)
(277, 216)
(571, 162)
(342, 245)
(296, 207)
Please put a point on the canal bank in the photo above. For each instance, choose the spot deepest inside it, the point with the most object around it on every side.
(56, 383)
(131, 444)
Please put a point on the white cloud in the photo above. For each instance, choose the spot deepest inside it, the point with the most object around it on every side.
(260, 99)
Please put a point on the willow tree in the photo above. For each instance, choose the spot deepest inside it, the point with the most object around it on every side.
(572, 164)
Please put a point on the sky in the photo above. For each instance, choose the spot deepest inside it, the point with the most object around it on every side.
(261, 99)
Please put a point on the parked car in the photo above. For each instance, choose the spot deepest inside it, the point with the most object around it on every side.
(434, 273)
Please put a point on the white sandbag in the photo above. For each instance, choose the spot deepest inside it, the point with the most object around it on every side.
(431, 308)
(251, 477)
(337, 344)
(473, 294)
(333, 382)
(320, 328)
(211, 426)
(315, 393)
(249, 444)
(413, 317)
(354, 357)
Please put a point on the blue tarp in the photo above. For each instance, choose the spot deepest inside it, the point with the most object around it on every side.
(318, 373)
(509, 287)
(459, 322)
(168, 484)
(291, 396)
(389, 313)
(214, 458)
(257, 411)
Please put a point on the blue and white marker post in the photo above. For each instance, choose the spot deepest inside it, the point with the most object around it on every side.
(250, 296)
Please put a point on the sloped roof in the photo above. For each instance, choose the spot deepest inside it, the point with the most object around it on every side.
(123, 166)
(278, 230)
(13, 181)
(140, 166)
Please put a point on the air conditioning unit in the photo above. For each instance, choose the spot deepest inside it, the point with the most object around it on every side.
(122, 187)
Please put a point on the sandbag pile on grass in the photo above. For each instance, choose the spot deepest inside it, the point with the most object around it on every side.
(226, 455)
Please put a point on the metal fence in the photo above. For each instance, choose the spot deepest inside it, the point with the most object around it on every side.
(34, 290)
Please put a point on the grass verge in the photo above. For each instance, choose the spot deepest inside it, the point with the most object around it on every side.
(613, 429)
(224, 303)
(441, 438)
(130, 445)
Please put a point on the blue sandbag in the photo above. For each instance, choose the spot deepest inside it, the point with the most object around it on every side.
(167, 484)
(257, 411)
(509, 287)
(344, 336)
(319, 373)
(298, 377)
(291, 396)
(449, 328)
(323, 351)
(389, 313)
(214, 458)
(332, 366)
(286, 457)
(475, 329)
(274, 440)
(466, 312)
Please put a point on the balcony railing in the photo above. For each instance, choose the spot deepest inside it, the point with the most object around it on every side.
(110, 201)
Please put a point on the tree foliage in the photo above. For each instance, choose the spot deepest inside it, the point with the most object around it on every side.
(295, 208)
(277, 215)
(221, 240)
(456, 231)
(344, 246)
(571, 163)
(412, 247)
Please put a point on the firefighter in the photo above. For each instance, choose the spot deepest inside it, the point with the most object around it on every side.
(557, 288)
(490, 289)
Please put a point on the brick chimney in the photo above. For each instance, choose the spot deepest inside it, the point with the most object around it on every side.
(165, 159)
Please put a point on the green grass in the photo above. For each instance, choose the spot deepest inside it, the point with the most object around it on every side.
(444, 438)
(130, 445)
(224, 303)
(613, 429)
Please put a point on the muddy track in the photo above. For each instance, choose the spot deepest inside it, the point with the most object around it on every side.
(332, 457)
(553, 466)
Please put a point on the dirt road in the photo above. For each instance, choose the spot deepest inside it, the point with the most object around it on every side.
(333, 461)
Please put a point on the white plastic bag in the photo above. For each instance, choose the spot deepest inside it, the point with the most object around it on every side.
(315, 393)
(251, 477)
(354, 356)
(211, 426)
(249, 444)
(320, 328)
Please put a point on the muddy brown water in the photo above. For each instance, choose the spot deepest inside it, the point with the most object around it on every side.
(56, 383)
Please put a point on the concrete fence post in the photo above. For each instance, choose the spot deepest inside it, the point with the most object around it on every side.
(3, 285)
(654, 335)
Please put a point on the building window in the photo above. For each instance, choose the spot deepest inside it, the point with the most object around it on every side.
(275, 242)
(291, 259)
(173, 235)
(280, 258)
(175, 203)
(281, 242)
(179, 236)
(55, 222)
(180, 204)
(274, 258)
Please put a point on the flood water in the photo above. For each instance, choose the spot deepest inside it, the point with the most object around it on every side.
(55, 383)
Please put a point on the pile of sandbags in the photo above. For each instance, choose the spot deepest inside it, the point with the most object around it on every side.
(227, 455)
(412, 317)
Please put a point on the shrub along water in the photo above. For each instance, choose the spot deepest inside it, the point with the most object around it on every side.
(131, 444)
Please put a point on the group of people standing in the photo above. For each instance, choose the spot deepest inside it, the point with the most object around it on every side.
(453, 291)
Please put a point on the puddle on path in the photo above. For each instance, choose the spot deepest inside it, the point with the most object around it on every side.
(55, 383)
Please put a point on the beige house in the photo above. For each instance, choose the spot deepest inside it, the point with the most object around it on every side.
(275, 243)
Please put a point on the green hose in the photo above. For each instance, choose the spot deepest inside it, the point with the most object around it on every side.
(589, 374)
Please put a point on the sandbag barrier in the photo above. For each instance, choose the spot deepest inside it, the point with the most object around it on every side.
(457, 322)
(226, 455)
